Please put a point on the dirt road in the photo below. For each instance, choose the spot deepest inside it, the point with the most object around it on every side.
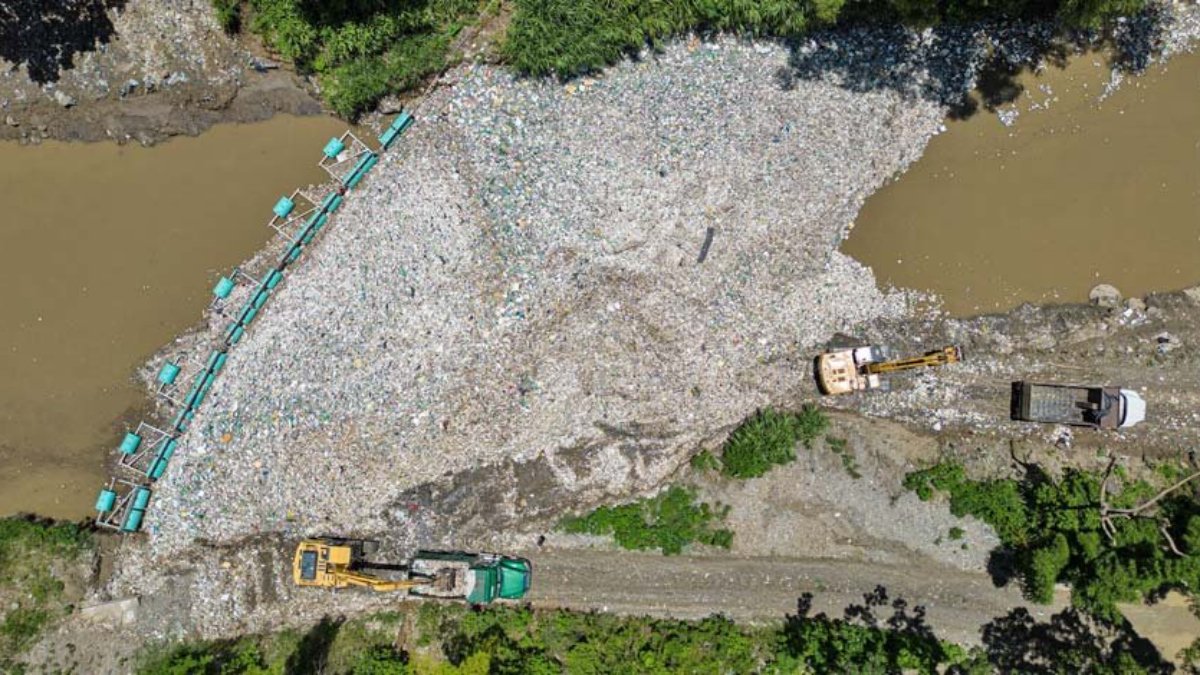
(761, 589)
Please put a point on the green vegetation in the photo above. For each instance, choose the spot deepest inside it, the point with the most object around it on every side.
(33, 555)
(956, 533)
(839, 448)
(362, 50)
(769, 437)
(1054, 531)
(229, 14)
(705, 461)
(668, 521)
(449, 639)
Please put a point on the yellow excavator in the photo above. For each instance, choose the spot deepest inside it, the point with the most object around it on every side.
(476, 578)
(859, 369)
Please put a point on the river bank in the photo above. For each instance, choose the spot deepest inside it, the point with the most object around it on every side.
(135, 72)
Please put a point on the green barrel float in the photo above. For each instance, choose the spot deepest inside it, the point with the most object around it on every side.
(283, 207)
(180, 423)
(222, 357)
(106, 500)
(130, 443)
(294, 253)
(307, 237)
(223, 288)
(236, 331)
(248, 315)
(320, 222)
(203, 390)
(399, 125)
(169, 449)
(190, 400)
(333, 148)
(260, 298)
(133, 519)
(213, 358)
(331, 203)
(157, 468)
(168, 373)
(273, 280)
(358, 172)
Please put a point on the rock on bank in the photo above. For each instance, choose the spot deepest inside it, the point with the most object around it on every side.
(519, 286)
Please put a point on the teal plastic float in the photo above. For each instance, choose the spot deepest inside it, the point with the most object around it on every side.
(168, 373)
(157, 469)
(331, 203)
(283, 207)
(273, 280)
(399, 125)
(236, 331)
(223, 288)
(106, 500)
(130, 443)
(333, 148)
(133, 519)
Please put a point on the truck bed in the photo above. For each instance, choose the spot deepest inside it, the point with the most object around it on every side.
(1066, 404)
(454, 578)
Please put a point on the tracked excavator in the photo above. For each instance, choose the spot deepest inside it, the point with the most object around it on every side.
(477, 578)
(860, 369)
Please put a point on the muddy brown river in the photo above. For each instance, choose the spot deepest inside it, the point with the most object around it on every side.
(1073, 194)
(107, 253)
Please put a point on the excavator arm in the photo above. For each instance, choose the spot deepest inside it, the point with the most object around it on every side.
(346, 578)
(939, 357)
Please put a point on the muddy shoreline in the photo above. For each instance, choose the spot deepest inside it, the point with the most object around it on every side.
(189, 109)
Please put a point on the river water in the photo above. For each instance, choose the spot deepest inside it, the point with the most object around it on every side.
(107, 253)
(1073, 194)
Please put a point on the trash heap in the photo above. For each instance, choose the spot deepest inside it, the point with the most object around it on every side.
(594, 278)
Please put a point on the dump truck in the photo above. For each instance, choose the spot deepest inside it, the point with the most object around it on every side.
(846, 371)
(476, 578)
(1096, 407)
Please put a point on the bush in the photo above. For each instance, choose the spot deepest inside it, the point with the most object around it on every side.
(362, 51)
(669, 522)
(762, 441)
(229, 14)
(768, 438)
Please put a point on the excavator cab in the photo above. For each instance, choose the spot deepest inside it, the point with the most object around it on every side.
(318, 561)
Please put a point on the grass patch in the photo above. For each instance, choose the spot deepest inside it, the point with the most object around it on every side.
(668, 522)
(33, 556)
(769, 437)
(839, 446)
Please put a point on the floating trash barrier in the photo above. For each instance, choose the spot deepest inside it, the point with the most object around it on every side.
(147, 450)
